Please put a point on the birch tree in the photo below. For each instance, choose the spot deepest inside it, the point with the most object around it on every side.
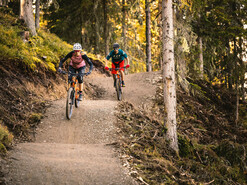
(26, 13)
(148, 36)
(169, 74)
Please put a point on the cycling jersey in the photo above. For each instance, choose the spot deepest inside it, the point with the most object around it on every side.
(120, 56)
(77, 61)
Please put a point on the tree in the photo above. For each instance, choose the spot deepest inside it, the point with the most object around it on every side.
(97, 26)
(26, 13)
(37, 12)
(106, 27)
(169, 74)
(148, 36)
(124, 26)
(200, 57)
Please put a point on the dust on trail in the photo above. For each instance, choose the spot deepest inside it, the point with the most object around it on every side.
(78, 151)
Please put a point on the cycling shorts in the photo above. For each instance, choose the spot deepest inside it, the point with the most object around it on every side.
(81, 70)
(117, 65)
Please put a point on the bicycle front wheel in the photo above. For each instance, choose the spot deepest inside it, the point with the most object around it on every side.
(69, 102)
(118, 89)
(77, 102)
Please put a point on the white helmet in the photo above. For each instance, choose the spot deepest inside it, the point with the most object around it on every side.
(77, 46)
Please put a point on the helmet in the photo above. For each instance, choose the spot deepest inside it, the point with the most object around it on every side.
(77, 46)
(116, 45)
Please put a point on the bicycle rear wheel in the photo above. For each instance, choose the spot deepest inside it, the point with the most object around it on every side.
(118, 89)
(69, 102)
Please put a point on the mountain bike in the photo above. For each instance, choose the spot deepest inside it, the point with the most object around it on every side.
(72, 94)
(118, 82)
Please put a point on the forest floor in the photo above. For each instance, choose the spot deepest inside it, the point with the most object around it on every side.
(79, 151)
(112, 142)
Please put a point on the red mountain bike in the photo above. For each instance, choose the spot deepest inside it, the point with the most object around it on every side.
(118, 82)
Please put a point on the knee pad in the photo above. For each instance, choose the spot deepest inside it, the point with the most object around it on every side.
(80, 79)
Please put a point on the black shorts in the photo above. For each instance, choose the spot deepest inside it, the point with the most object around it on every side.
(80, 71)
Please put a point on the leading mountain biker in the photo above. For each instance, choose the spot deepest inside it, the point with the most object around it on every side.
(118, 57)
(77, 64)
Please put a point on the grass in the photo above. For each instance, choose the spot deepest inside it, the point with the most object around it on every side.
(44, 45)
(6, 139)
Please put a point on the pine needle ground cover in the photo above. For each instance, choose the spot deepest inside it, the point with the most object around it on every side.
(212, 148)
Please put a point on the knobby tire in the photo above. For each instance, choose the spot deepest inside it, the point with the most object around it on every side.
(77, 102)
(69, 102)
(118, 89)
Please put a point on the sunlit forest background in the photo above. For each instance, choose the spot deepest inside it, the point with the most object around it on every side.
(210, 47)
(219, 26)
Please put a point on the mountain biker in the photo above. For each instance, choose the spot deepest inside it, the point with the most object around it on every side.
(118, 57)
(77, 64)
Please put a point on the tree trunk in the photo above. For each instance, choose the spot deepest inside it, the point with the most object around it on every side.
(169, 74)
(236, 80)
(161, 36)
(97, 26)
(37, 14)
(237, 104)
(148, 36)
(201, 57)
(124, 27)
(229, 66)
(106, 28)
(26, 13)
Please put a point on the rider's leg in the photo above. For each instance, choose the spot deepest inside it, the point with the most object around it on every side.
(122, 75)
(121, 65)
(113, 72)
(80, 91)
(114, 79)
(72, 70)
(81, 87)
(80, 81)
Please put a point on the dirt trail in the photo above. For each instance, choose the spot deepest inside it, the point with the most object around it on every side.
(79, 151)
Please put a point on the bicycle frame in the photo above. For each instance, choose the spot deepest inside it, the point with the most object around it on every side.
(117, 78)
(74, 85)
(72, 94)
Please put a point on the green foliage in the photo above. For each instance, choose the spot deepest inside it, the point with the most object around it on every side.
(6, 139)
(33, 52)
(185, 148)
(233, 152)
(35, 117)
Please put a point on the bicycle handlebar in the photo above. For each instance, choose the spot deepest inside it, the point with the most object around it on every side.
(116, 69)
(74, 74)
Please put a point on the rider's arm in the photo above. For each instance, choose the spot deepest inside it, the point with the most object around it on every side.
(69, 55)
(85, 57)
(106, 62)
(128, 62)
(107, 58)
(125, 56)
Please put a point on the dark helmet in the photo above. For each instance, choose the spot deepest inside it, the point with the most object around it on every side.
(116, 45)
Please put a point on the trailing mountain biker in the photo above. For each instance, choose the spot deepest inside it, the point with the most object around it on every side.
(77, 64)
(118, 57)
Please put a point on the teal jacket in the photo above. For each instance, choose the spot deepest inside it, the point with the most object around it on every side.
(120, 56)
